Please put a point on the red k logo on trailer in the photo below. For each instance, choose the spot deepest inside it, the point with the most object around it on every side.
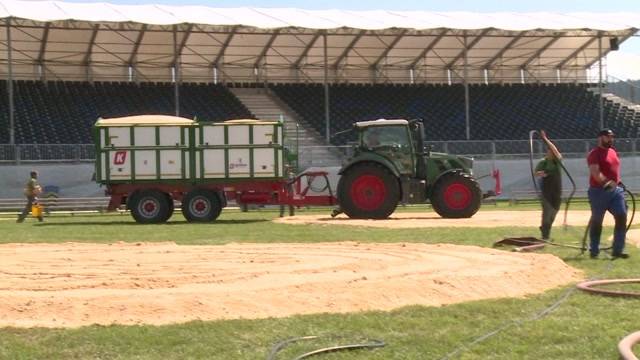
(119, 157)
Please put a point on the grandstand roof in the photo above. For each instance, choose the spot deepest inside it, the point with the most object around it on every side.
(75, 41)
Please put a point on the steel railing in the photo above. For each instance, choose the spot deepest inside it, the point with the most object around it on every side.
(317, 155)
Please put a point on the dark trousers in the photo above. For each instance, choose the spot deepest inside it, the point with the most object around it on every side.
(602, 201)
(27, 208)
(550, 206)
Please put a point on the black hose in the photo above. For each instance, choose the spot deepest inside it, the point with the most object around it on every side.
(284, 343)
(570, 197)
(533, 174)
(633, 206)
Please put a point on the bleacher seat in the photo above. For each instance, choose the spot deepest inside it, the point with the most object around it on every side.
(497, 112)
(63, 112)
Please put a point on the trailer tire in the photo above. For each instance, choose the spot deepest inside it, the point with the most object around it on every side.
(456, 195)
(201, 206)
(149, 207)
(170, 209)
(368, 191)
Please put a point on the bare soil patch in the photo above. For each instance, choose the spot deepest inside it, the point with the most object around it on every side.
(485, 219)
(74, 284)
(633, 237)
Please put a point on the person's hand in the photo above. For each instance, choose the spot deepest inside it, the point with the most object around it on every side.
(543, 135)
(541, 173)
(610, 185)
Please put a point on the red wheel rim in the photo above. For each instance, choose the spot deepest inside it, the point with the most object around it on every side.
(457, 196)
(368, 192)
(148, 207)
(200, 206)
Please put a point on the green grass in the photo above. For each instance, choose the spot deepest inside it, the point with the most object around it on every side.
(582, 327)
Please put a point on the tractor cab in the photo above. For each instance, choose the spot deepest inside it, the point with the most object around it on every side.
(389, 139)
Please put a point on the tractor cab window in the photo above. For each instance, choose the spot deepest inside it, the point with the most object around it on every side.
(394, 136)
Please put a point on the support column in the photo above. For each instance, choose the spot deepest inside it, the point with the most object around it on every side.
(327, 117)
(600, 84)
(176, 70)
(12, 130)
(467, 115)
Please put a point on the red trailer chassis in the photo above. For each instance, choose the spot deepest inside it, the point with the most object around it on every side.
(295, 192)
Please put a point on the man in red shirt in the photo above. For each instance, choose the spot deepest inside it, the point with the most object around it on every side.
(606, 194)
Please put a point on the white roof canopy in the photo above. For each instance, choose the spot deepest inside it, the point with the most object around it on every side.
(100, 41)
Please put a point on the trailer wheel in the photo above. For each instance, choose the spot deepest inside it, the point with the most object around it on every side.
(149, 207)
(368, 191)
(201, 206)
(170, 209)
(456, 195)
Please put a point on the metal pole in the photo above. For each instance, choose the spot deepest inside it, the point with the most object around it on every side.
(600, 84)
(467, 115)
(327, 117)
(176, 70)
(12, 130)
(494, 153)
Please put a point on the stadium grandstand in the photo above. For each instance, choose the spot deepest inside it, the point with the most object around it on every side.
(483, 77)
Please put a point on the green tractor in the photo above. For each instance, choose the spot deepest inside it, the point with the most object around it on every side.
(391, 164)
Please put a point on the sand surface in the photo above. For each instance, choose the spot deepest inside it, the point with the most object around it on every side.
(75, 284)
(633, 237)
(431, 219)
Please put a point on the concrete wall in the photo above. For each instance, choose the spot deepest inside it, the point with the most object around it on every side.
(516, 174)
(75, 180)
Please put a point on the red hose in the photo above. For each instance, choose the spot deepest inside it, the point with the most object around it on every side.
(588, 286)
(625, 346)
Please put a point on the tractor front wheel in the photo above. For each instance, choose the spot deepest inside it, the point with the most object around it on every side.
(456, 195)
(368, 191)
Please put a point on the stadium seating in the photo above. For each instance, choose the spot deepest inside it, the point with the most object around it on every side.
(62, 112)
(497, 112)
(4, 115)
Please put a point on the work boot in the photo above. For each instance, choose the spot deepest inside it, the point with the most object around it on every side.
(40, 219)
(620, 256)
(20, 220)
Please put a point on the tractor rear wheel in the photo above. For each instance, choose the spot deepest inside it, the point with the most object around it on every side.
(201, 206)
(368, 191)
(149, 207)
(456, 195)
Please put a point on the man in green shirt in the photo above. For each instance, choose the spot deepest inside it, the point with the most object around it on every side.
(31, 192)
(548, 169)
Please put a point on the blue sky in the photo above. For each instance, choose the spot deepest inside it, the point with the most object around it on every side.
(622, 64)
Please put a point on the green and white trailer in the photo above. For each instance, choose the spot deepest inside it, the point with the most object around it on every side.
(147, 162)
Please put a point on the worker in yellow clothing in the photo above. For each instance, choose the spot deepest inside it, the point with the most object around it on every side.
(31, 192)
